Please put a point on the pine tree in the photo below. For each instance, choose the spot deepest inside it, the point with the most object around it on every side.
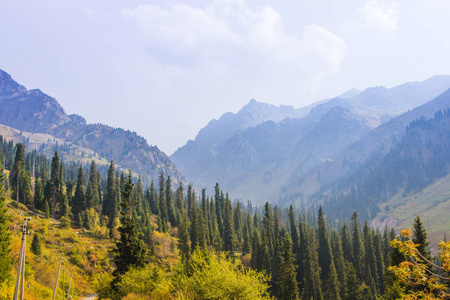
(5, 236)
(358, 250)
(228, 228)
(55, 177)
(110, 207)
(130, 251)
(38, 194)
(294, 235)
(87, 220)
(267, 238)
(420, 238)
(153, 199)
(346, 241)
(36, 245)
(78, 201)
(312, 286)
(64, 208)
(370, 260)
(179, 205)
(163, 218)
(18, 169)
(184, 242)
(171, 213)
(331, 288)
(353, 288)
(325, 255)
(92, 198)
(339, 262)
(247, 242)
(286, 280)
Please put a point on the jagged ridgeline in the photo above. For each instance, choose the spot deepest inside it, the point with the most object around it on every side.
(306, 253)
(39, 122)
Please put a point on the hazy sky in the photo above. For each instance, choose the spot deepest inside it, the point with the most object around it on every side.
(166, 68)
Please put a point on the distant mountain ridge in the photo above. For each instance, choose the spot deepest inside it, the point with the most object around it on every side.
(35, 112)
(262, 158)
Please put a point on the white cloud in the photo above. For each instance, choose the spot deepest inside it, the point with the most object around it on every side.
(381, 15)
(230, 35)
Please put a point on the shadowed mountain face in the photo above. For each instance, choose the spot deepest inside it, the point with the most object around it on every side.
(35, 112)
(265, 152)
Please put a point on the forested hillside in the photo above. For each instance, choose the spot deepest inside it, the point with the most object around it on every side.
(419, 160)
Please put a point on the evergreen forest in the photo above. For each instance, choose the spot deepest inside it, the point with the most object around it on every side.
(179, 242)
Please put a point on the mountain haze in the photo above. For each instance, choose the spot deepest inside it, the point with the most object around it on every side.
(261, 156)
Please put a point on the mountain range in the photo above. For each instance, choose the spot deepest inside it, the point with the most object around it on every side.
(371, 150)
(270, 152)
(41, 123)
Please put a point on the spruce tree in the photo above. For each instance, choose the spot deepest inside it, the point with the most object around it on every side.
(420, 238)
(179, 205)
(331, 284)
(38, 194)
(346, 241)
(286, 280)
(312, 288)
(36, 245)
(17, 172)
(380, 261)
(79, 201)
(370, 260)
(163, 218)
(228, 228)
(184, 242)
(92, 198)
(357, 246)
(63, 204)
(55, 178)
(110, 207)
(338, 256)
(267, 238)
(325, 255)
(46, 209)
(294, 234)
(5, 235)
(353, 288)
(171, 213)
(130, 250)
(153, 199)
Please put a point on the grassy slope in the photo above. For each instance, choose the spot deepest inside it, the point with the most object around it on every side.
(432, 205)
(86, 254)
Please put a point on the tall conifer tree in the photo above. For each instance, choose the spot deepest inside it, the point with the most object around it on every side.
(286, 280)
(79, 201)
(110, 207)
(130, 251)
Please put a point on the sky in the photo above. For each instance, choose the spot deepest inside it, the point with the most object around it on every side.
(164, 69)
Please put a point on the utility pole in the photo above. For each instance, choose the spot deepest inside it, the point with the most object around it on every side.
(70, 283)
(21, 269)
(64, 270)
(57, 277)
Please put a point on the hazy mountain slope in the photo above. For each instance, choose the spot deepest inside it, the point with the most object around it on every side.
(35, 112)
(196, 156)
(420, 158)
(379, 141)
(277, 158)
(432, 204)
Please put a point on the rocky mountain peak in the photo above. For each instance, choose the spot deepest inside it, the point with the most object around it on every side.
(9, 86)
